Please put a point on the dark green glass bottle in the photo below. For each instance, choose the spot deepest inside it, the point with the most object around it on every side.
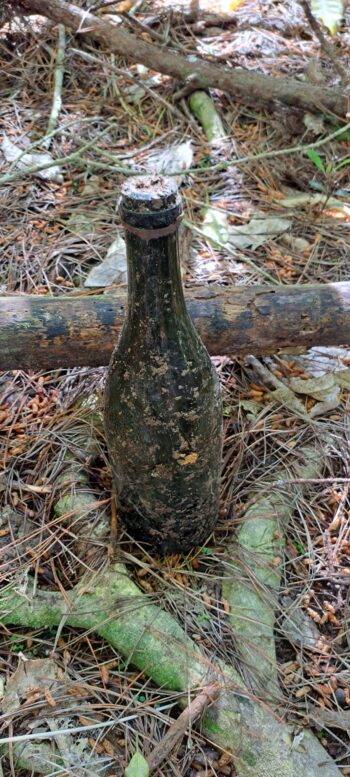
(163, 412)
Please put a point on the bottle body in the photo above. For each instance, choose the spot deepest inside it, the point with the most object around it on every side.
(163, 412)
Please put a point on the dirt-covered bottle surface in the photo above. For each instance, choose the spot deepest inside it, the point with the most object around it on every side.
(163, 413)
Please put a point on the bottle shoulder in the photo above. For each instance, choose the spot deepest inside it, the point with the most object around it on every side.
(163, 385)
(160, 352)
(169, 368)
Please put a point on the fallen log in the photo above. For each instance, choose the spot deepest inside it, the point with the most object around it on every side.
(39, 333)
(250, 87)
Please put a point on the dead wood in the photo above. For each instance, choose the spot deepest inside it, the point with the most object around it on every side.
(247, 86)
(178, 729)
(47, 333)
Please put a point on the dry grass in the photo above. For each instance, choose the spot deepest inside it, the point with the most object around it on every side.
(51, 235)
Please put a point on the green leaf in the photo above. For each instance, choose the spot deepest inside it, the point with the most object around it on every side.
(215, 226)
(316, 159)
(228, 410)
(138, 767)
(343, 135)
(329, 12)
(300, 547)
(343, 163)
(203, 617)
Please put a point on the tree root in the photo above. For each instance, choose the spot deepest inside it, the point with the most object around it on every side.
(110, 603)
(253, 574)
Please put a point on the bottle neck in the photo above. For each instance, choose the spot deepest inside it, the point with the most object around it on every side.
(155, 293)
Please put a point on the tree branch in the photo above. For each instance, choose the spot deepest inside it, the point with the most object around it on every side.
(325, 44)
(72, 331)
(250, 87)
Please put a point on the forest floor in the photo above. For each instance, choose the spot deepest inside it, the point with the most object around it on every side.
(52, 233)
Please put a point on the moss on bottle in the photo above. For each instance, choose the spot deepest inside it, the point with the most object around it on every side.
(163, 413)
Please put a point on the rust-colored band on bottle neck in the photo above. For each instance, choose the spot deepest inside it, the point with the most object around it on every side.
(153, 234)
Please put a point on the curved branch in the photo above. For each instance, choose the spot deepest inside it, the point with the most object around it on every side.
(250, 87)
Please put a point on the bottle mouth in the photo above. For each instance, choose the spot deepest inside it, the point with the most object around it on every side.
(150, 202)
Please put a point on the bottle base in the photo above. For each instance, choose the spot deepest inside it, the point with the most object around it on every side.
(178, 535)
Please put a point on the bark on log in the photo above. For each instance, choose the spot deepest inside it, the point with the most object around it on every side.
(247, 86)
(37, 333)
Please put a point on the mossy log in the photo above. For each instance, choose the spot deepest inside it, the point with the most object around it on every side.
(48, 333)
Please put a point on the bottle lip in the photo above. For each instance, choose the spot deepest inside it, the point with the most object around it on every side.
(150, 202)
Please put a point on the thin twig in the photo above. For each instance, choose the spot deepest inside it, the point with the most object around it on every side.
(103, 4)
(178, 729)
(75, 729)
(74, 156)
(57, 90)
(309, 480)
(130, 77)
(325, 44)
(134, 22)
(255, 157)
(38, 143)
(269, 154)
(198, 170)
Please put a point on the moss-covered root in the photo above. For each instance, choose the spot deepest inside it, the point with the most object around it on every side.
(215, 224)
(36, 757)
(75, 499)
(252, 576)
(151, 639)
(204, 110)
